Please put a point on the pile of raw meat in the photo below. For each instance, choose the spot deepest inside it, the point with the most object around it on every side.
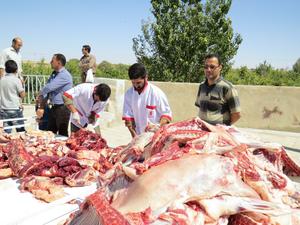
(185, 173)
(193, 173)
(45, 164)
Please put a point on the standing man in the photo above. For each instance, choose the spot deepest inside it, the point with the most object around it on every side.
(11, 92)
(59, 82)
(144, 103)
(87, 61)
(12, 53)
(217, 99)
(86, 101)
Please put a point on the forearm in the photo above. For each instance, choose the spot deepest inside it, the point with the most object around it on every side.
(69, 104)
(131, 128)
(55, 84)
(1, 72)
(41, 102)
(234, 117)
(132, 132)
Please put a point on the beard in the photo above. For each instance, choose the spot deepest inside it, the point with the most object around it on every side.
(139, 88)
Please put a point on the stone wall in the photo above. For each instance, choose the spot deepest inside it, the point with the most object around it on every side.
(263, 107)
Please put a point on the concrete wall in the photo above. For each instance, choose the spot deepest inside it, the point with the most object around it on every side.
(263, 107)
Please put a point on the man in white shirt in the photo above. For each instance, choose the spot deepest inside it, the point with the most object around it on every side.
(12, 53)
(144, 103)
(86, 101)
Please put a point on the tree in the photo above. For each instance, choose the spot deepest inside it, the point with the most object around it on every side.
(73, 67)
(107, 69)
(263, 68)
(173, 46)
(296, 66)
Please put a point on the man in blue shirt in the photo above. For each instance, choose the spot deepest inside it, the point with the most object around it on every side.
(59, 82)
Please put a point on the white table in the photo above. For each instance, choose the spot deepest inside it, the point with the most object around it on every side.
(19, 208)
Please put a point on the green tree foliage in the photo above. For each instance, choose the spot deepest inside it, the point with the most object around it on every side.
(263, 69)
(173, 46)
(296, 66)
(73, 67)
(107, 69)
(33, 68)
(263, 74)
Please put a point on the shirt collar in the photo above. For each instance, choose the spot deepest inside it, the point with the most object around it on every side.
(59, 71)
(216, 81)
(11, 74)
(13, 50)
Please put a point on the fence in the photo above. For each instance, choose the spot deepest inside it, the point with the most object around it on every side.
(34, 83)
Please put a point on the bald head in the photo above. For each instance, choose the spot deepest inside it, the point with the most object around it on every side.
(17, 43)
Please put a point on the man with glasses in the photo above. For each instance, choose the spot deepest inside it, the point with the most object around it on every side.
(217, 99)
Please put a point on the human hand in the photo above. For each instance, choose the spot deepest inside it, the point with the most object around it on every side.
(39, 113)
(76, 117)
(92, 119)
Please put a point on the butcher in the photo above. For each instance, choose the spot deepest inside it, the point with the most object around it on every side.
(144, 103)
(86, 101)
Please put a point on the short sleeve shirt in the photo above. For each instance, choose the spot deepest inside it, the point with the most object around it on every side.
(147, 107)
(10, 88)
(216, 102)
(82, 96)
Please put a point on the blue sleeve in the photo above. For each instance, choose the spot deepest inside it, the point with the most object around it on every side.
(57, 82)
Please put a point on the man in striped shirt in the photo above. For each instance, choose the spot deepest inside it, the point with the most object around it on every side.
(217, 99)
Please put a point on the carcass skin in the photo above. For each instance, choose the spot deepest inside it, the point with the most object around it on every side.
(265, 179)
(188, 178)
(230, 205)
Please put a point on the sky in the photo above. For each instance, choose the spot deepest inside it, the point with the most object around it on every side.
(270, 29)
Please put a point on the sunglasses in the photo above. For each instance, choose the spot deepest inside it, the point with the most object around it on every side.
(212, 67)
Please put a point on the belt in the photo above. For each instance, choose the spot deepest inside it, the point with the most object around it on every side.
(55, 105)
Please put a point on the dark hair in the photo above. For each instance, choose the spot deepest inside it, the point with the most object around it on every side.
(87, 47)
(213, 55)
(11, 66)
(61, 58)
(103, 91)
(136, 71)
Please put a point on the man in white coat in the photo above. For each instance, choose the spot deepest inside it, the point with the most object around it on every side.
(144, 103)
(86, 101)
